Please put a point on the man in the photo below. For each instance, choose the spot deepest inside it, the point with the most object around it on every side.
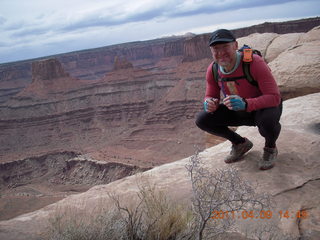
(238, 102)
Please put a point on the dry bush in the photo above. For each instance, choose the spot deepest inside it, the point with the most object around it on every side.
(76, 224)
(152, 216)
(221, 190)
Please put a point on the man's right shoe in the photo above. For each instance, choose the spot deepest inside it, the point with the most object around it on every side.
(238, 150)
(268, 159)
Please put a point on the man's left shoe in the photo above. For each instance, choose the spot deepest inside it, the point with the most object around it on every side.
(268, 159)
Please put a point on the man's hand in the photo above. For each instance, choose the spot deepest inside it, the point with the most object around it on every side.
(235, 102)
(211, 104)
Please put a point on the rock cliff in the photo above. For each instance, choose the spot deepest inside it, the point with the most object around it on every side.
(59, 112)
(122, 111)
(95, 63)
(30, 184)
(293, 183)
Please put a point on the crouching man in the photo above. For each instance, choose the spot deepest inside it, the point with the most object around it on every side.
(232, 100)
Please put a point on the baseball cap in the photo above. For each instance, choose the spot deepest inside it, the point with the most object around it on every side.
(221, 36)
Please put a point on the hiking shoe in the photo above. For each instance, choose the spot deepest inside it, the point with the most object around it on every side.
(238, 150)
(268, 159)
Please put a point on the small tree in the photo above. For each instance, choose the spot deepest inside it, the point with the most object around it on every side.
(221, 191)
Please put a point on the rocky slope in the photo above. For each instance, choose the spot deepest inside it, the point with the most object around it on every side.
(293, 183)
(30, 184)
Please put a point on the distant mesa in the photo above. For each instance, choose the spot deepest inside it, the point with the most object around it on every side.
(48, 69)
(49, 77)
(121, 63)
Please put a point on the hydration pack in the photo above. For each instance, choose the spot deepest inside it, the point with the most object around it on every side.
(247, 57)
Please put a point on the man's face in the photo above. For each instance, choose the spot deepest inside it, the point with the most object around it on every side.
(225, 54)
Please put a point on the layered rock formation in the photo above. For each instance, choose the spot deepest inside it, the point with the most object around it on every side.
(293, 184)
(150, 109)
(14, 77)
(30, 184)
(60, 113)
(95, 63)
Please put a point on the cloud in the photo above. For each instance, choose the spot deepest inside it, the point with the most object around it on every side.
(139, 11)
(2, 20)
(46, 27)
(106, 15)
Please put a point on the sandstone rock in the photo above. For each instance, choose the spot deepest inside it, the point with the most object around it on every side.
(297, 69)
(173, 48)
(294, 26)
(294, 183)
(196, 48)
(258, 41)
(121, 63)
(48, 77)
(48, 69)
(312, 35)
(280, 44)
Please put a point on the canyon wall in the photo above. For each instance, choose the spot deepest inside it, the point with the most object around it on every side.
(133, 103)
(93, 64)
(57, 112)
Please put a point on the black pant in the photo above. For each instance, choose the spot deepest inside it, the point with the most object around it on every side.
(267, 121)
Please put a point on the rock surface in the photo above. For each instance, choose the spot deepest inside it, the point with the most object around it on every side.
(294, 183)
(258, 41)
(280, 43)
(297, 69)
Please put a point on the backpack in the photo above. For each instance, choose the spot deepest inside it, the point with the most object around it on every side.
(246, 60)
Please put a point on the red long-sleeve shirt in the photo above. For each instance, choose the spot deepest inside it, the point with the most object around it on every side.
(266, 95)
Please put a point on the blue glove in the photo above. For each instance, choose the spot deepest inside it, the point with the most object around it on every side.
(235, 103)
(205, 106)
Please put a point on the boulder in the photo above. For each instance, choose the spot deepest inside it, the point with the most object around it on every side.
(258, 41)
(280, 44)
(297, 70)
(310, 36)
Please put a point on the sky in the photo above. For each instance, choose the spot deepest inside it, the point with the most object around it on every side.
(36, 28)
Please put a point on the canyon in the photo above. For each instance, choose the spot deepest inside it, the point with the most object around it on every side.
(129, 107)
(95, 63)
(133, 103)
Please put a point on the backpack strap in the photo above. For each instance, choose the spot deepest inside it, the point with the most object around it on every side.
(215, 73)
(247, 74)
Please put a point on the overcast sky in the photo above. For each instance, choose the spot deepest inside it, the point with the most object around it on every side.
(35, 28)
